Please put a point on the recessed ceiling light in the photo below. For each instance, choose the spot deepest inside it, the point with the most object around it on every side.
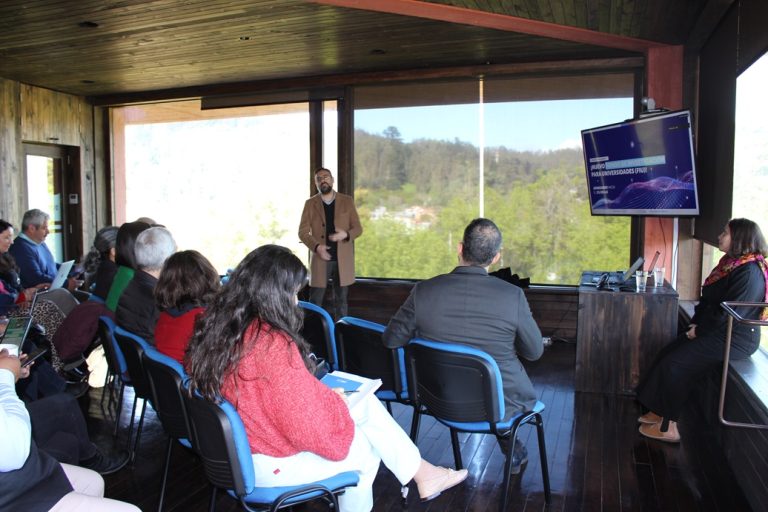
(245, 38)
(88, 24)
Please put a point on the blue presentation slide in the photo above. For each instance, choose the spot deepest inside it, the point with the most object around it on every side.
(642, 167)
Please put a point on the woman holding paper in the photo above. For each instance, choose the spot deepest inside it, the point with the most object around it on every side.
(741, 276)
(247, 348)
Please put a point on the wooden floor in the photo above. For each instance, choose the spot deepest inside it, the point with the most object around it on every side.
(597, 460)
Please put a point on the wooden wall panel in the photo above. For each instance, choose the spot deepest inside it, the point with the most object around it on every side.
(50, 117)
(11, 170)
(554, 309)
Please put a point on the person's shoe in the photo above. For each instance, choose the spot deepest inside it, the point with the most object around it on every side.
(653, 431)
(519, 457)
(106, 464)
(649, 418)
(77, 389)
(447, 478)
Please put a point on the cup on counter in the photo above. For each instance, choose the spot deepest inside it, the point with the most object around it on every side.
(658, 276)
(641, 280)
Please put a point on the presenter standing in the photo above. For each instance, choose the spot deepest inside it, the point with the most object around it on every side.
(329, 225)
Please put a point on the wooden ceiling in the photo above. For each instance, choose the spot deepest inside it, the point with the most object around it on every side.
(103, 48)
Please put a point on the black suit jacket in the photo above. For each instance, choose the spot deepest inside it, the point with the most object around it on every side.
(471, 308)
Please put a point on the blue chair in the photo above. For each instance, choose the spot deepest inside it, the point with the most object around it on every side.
(117, 372)
(318, 330)
(133, 348)
(362, 352)
(167, 380)
(219, 438)
(461, 387)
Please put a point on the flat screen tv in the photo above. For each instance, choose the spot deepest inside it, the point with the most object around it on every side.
(642, 166)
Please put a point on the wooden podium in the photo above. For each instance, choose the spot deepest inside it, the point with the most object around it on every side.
(619, 334)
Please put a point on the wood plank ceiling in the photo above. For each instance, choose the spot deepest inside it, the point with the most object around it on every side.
(99, 48)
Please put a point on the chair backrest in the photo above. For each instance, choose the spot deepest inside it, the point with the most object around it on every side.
(133, 348)
(456, 383)
(115, 358)
(167, 382)
(318, 330)
(219, 438)
(62, 298)
(362, 352)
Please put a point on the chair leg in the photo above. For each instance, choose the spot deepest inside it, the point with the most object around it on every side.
(212, 504)
(415, 422)
(456, 449)
(119, 408)
(138, 430)
(543, 458)
(165, 473)
(509, 455)
(129, 443)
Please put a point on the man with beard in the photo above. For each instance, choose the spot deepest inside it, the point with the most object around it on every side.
(329, 225)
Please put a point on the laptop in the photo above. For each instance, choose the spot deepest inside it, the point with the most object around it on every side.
(16, 331)
(62, 274)
(614, 278)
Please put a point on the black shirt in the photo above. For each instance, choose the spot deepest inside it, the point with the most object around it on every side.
(330, 227)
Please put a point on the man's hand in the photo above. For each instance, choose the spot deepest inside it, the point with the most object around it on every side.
(322, 251)
(338, 235)
(9, 362)
(73, 284)
(691, 334)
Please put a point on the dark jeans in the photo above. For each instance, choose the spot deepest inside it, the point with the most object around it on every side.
(58, 428)
(338, 306)
(43, 379)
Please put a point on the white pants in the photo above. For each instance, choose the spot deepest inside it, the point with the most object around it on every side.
(88, 493)
(378, 438)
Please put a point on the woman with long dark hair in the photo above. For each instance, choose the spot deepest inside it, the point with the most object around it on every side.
(247, 349)
(740, 276)
(11, 291)
(186, 286)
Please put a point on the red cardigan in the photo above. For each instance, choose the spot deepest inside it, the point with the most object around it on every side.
(285, 409)
(172, 333)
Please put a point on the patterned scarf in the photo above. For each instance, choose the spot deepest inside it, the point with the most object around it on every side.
(728, 263)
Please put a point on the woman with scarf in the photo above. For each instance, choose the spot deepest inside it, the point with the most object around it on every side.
(740, 276)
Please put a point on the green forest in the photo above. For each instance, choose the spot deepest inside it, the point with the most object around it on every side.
(415, 198)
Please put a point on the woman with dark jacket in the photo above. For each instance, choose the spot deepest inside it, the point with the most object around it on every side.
(740, 276)
(11, 291)
(186, 286)
(100, 266)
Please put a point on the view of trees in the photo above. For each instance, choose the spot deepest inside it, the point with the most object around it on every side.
(415, 199)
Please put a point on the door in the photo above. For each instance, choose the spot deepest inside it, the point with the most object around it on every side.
(53, 186)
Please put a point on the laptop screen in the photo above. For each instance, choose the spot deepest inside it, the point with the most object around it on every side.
(61, 275)
(635, 266)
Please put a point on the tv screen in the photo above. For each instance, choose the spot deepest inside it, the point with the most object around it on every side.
(642, 167)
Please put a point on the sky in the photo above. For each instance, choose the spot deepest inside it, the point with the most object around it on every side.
(539, 125)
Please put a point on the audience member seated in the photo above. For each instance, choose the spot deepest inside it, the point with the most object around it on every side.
(99, 264)
(136, 310)
(30, 479)
(125, 259)
(32, 255)
(247, 349)
(79, 330)
(11, 291)
(741, 275)
(186, 286)
(469, 307)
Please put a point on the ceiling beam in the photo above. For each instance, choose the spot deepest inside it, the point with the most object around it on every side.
(477, 18)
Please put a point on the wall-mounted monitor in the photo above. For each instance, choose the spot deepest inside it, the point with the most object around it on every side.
(642, 166)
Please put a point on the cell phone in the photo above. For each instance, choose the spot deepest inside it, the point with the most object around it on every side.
(34, 357)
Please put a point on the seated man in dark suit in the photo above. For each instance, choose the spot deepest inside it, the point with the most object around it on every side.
(136, 310)
(469, 307)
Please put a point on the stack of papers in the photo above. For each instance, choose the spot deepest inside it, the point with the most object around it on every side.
(356, 388)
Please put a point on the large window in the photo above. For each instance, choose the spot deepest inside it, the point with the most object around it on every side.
(750, 172)
(430, 157)
(223, 182)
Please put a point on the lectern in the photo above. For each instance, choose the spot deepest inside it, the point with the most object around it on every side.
(619, 334)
